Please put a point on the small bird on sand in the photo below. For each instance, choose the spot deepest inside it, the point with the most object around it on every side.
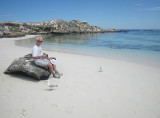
(51, 85)
(100, 69)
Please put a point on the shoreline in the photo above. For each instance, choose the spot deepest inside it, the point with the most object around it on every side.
(136, 58)
(139, 60)
(123, 89)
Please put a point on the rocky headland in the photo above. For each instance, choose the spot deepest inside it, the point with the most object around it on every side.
(18, 29)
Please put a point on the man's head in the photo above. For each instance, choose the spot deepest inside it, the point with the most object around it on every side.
(39, 41)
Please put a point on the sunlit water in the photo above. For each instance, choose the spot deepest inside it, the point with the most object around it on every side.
(139, 46)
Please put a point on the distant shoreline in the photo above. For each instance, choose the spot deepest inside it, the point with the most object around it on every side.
(18, 29)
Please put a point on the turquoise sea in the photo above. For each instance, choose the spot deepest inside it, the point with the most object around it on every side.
(138, 46)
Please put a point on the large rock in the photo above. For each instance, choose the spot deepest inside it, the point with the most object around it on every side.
(25, 65)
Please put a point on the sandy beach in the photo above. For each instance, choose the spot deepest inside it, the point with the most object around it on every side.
(122, 90)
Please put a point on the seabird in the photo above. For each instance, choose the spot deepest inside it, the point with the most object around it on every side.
(51, 85)
(100, 69)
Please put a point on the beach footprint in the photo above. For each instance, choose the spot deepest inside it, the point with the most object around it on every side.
(24, 112)
(69, 110)
(54, 106)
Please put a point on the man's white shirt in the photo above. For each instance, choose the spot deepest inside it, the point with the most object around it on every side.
(36, 51)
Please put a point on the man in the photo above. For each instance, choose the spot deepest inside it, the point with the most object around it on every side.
(42, 60)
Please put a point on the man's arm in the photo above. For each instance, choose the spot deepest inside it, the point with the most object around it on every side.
(38, 57)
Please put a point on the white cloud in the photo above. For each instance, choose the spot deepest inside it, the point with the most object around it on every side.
(154, 8)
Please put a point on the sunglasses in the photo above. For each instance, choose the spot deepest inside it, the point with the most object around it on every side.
(40, 41)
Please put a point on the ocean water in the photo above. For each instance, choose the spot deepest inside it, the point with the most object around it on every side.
(138, 46)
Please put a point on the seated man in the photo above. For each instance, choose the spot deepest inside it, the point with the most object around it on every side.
(42, 60)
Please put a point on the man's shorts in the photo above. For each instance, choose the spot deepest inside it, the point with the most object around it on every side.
(42, 63)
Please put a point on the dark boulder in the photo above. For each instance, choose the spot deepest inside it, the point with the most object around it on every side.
(25, 65)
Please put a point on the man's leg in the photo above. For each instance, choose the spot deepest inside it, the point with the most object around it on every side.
(56, 72)
(51, 67)
(46, 64)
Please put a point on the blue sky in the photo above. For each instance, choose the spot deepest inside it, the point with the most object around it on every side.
(109, 14)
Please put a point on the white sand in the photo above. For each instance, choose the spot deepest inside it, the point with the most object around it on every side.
(122, 90)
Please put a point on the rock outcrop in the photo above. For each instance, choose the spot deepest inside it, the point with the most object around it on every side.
(25, 65)
(17, 29)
